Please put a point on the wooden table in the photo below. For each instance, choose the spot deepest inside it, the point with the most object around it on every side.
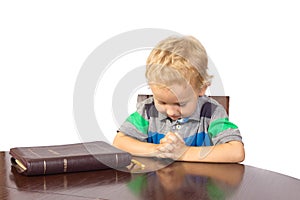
(158, 180)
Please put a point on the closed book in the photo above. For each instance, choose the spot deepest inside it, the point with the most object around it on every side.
(77, 157)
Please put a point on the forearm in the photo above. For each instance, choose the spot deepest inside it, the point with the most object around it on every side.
(133, 146)
(230, 152)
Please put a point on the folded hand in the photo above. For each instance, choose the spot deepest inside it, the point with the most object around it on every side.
(171, 146)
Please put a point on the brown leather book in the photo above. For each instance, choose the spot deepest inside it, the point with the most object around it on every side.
(77, 157)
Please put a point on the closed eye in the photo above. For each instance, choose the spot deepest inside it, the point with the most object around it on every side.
(161, 102)
(177, 104)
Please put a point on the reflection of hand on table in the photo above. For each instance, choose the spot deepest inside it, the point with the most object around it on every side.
(172, 177)
(229, 173)
(169, 179)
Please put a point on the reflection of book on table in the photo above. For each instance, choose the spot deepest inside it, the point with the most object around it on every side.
(68, 158)
(58, 182)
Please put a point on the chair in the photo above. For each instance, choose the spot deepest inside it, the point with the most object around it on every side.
(223, 100)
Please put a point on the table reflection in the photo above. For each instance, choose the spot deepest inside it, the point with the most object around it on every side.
(183, 180)
(69, 180)
(171, 180)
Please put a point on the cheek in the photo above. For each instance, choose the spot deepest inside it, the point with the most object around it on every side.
(159, 108)
(188, 110)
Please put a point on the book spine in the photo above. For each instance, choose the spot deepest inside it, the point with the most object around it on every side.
(77, 164)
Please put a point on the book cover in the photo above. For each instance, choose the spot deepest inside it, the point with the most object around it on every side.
(77, 157)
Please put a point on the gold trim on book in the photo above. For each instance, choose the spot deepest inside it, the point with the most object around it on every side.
(65, 165)
(117, 160)
(45, 166)
(20, 164)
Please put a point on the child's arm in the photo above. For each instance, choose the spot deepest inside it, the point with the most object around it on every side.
(231, 152)
(174, 148)
(133, 146)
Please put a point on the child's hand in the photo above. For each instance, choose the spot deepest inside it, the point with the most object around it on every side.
(171, 146)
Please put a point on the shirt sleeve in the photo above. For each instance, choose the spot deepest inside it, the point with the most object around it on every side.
(220, 129)
(136, 125)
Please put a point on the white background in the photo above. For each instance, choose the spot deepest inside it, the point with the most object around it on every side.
(253, 44)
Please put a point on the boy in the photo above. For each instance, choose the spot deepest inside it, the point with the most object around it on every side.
(180, 122)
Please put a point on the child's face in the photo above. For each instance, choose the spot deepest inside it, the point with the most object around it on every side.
(176, 101)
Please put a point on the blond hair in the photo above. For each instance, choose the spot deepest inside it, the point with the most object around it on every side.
(178, 60)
